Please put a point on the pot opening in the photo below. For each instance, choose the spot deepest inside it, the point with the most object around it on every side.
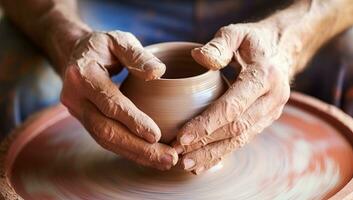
(180, 66)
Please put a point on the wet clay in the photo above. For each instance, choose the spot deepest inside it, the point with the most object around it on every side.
(184, 90)
(300, 156)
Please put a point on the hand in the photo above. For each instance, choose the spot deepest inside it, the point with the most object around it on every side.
(112, 119)
(252, 102)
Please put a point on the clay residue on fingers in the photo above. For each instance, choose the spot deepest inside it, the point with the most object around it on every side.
(144, 65)
(101, 91)
(210, 153)
(219, 52)
(123, 110)
(131, 54)
(117, 138)
(214, 55)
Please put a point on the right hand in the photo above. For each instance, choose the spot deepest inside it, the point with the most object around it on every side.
(111, 118)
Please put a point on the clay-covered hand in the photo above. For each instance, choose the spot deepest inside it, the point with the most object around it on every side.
(111, 118)
(252, 102)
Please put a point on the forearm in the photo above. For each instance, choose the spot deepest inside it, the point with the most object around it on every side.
(53, 25)
(308, 24)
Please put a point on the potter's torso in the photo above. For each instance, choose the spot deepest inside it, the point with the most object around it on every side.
(187, 20)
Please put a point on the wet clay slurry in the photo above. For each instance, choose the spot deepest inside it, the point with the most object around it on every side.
(300, 156)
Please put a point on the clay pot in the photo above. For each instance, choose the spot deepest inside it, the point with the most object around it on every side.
(180, 94)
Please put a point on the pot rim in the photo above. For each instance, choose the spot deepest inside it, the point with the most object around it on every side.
(175, 46)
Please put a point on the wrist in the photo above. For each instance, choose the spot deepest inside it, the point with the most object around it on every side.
(62, 42)
(61, 35)
(294, 31)
(306, 25)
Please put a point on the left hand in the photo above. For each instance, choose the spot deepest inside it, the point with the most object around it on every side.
(252, 103)
(97, 102)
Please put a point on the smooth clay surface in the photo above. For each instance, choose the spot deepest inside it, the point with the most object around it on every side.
(183, 91)
(299, 157)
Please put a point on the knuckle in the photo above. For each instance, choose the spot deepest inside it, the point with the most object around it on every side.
(232, 108)
(194, 126)
(203, 155)
(233, 129)
(259, 77)
(243, 125)
(151, 152)
(103, 131)
(110, 107)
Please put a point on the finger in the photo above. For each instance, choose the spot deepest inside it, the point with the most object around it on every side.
(115, 137)
(249, 86)
(131, 53)
(102, 92)
(205, 156)
(207, 166)
(223, 133)
(219, 52)
(266, 107)
(263, 107)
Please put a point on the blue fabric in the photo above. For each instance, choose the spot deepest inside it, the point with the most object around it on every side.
(151, 22)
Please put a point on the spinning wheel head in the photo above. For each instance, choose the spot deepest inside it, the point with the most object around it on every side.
(306, 154)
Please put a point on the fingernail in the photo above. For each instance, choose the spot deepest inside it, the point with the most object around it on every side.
(167, 159)
(188, 163)
(187, 139)
(179, 149)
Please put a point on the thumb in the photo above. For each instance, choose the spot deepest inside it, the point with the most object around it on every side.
(219, 52)
(134, 57)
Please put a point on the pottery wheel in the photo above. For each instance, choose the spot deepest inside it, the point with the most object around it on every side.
(299, 157)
